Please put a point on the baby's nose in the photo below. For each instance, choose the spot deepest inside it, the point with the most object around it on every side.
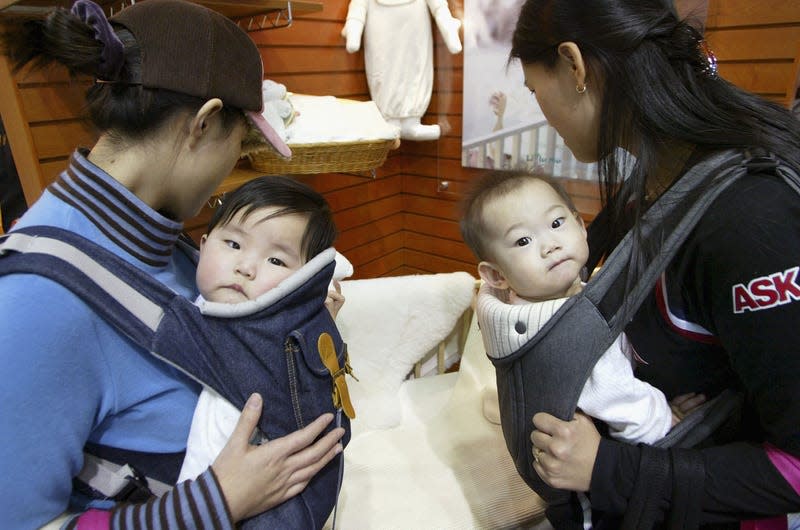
(246, 268)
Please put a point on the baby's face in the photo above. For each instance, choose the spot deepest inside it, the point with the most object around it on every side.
(537, 243)
(250, 255)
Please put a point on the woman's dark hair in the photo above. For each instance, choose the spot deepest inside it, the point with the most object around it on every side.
(289, 196)
(119, 107)
(657, 92)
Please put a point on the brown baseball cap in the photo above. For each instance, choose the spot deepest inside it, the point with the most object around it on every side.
(194, 50)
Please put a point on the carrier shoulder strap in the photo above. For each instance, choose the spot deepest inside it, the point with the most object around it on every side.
(71, 260)
(64, 257)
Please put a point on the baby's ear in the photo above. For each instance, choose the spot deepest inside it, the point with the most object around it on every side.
(579, 219)
(491, 274)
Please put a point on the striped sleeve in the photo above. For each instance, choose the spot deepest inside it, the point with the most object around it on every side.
(193, 504)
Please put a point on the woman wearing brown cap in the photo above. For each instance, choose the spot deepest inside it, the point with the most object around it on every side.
(176, 98)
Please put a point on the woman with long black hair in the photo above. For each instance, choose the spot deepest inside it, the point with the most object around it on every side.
(630, 85)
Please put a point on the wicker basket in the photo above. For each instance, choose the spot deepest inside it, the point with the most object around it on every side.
(332, 157)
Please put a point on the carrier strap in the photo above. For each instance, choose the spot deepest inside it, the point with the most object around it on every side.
(689, 473)
(114, 481)
(115, 289)
(141, 307)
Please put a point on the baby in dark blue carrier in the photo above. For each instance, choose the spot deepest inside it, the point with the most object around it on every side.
(264, 323)
(268, 240)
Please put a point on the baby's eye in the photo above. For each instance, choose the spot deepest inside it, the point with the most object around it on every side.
(523, 241)
(277, 262)
(232, 244)
(557, 222)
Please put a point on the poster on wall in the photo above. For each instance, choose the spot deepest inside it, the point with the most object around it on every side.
(503, 126)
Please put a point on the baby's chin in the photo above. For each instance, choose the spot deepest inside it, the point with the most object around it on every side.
(542, 297)
(226, 296)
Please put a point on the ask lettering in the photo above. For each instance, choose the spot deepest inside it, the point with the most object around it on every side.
(768, 291)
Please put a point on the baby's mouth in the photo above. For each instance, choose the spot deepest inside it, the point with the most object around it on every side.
(235, 287)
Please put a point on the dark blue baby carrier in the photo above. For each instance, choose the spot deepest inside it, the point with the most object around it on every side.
(537, 378)
(284, 345)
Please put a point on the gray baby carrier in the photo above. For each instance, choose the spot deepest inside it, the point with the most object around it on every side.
(549, 371)
(284, 345)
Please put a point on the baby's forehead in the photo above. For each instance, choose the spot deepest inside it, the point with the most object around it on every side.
(536, 197)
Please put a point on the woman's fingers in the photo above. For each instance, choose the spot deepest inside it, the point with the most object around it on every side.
(308, 462)
(688, 402)
(234, 468)
(299, 445)
(254, 479)
(564, 451)
(248, 420)
(303, 458)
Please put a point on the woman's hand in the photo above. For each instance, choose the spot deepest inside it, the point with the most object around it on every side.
(335, 300)
(685, 404)
(254, 478)
(564, 451)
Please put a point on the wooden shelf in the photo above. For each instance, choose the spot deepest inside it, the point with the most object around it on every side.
(233, 9)
(240, 9)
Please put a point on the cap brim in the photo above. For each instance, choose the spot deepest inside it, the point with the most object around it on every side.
(270, 137)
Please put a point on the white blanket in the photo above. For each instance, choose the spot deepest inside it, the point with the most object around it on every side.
(389, 324)
(444, 467)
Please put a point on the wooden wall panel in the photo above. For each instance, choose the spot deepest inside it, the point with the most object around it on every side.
(374, 230)
(731, 13)
(58, 140)
(757, 45)
(42, 111)
(402, 220)
(57, 101)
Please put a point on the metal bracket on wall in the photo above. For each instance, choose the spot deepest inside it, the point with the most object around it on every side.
(279, 18)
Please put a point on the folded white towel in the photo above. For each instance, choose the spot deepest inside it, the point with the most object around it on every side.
(323, 119)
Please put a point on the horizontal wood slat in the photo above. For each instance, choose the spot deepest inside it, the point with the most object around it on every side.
(728, 13)
(308, 60)
(436, 208)
(304, 31)
(60, 139)
(339, 84)
(372, 231)
(433, 264)
(455, 250)
(366, 192)
(383, 266)
(62, 101)
(759, 78)
(369, 212)
(755, 44)
(51, 169)
(424, 225)
(376, 249)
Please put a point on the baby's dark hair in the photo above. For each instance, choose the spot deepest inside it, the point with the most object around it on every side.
(289, 196)
(489, 186)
